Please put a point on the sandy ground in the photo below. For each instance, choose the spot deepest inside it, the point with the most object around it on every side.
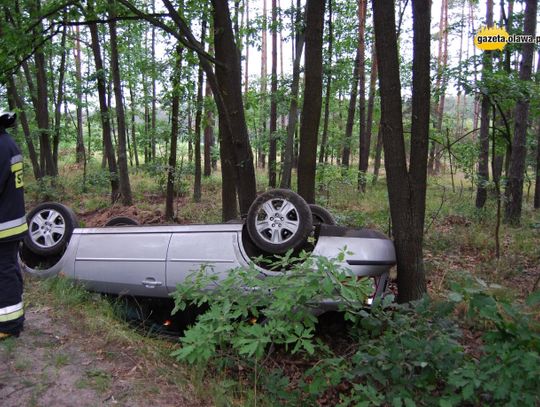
(53, 364)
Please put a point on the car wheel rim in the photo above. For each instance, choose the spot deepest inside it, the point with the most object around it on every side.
(277, 221)
(47, 228)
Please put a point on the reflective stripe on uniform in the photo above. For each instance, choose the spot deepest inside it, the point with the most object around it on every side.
(13, 227)
(16, 159)
(11, 312)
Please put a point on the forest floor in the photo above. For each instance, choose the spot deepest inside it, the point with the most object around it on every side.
(75, 351)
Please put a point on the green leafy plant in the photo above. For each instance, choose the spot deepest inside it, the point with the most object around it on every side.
(248, 313)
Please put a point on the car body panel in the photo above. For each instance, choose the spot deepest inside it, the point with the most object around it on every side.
(151, 260)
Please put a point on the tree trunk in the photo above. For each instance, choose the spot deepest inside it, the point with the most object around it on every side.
(363, 140)
(327, 96)
(175, 109)
(537, 184)
(198, 119)
(406, 189)
(293, 109)
(133, 127)
(42, 108)
(483, 155)
(123, 173)
(350, 113)
(208, 132)
(262, 91)
(233, 129)
(154, 99)
(80, 149)
(103, 107)
(273, 103)
(59, 99)
(371, 106)
(514, 188)
(378, 154)
(19, 103)
(311, 110)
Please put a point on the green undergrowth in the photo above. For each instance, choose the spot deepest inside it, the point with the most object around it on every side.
(420, 354)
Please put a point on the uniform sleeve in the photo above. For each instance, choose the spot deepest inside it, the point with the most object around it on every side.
(5, 166)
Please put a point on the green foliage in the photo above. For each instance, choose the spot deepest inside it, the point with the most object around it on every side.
(281, 305)
(399, 355)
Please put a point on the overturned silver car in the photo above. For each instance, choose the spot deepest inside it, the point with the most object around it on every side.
(129, 259)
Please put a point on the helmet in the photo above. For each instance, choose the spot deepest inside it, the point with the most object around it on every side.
(7, 119)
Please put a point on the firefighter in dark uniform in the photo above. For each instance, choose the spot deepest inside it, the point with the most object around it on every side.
(12, 229)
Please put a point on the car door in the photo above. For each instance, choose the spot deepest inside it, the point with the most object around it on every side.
(123, 261)
(190, 251)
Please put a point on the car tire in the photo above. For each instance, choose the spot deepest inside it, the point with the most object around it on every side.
(50, 226)
(279, 220)
(321, 215)
(121, 221)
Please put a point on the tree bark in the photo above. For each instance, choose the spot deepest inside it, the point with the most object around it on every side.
(42, 108)
(371, 105)
(350, 113)
(327, 96)
(125, 187)
(175, 109)
(406, 189)
(103, 107)
(311, 110)
(198, 119)
(235, 134)
(273, 103)
(514, 188)
(363, 141)
(293, 109)
(23, 119)
(80, 150)
(537, 183)
(483, 155)
(208, 132)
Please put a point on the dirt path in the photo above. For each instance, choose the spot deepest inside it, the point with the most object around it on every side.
(52, 363)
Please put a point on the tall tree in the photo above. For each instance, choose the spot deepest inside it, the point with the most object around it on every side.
(328, 94)
(123, 173)
(198, 120)
(351, 111)
(363, 140)
(406, 187)
(80, 150)
(273, 102)
(311, 110)
(537, 184)
(514, 188)
(42, 98)
(175, 109)
(483, 154)
(293, 109)
(103, 107)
